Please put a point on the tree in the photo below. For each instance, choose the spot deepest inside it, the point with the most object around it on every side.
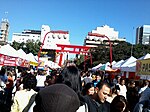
(16, 45)
(122, 51)
(29, 47)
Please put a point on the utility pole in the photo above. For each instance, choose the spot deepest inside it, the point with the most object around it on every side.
(132, 42)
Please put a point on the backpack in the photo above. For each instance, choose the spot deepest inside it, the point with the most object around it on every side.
(32, 99)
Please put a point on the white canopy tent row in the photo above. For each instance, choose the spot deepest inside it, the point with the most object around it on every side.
(103, 66)
(129, 64)
(11, 57)
(8, 51)
(8, 55)
(118, 64)
(127, 67)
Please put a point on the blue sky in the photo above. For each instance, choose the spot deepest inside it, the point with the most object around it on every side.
(77, 16)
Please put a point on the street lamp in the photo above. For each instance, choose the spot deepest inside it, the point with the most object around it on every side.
(39, 53)
(110, 45)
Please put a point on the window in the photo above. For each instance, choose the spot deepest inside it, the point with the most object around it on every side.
(65, 37)
(53, 36)
(59, 36)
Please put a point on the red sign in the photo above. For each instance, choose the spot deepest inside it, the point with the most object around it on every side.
(1, 59)
(9, 61)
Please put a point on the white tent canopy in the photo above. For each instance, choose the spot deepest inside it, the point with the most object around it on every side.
(132, 66)
(129, 65)
(117, 64)
(21, 54)
(30, 57)
(8, 50)
(114, 62)
(97, 67)
(145, 56)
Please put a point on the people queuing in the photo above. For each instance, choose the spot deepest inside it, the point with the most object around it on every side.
(71, 90)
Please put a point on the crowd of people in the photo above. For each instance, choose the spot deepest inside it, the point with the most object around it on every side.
(71, 90)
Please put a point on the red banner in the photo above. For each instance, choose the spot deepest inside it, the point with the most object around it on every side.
(25, 64)
(1, 59)
(9, 61)
(13, 61)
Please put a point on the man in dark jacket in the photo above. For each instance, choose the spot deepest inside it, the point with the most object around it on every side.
(97, 102)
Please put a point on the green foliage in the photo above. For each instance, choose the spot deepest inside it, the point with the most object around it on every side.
(16, 45)
(121, 51)
(29, 47)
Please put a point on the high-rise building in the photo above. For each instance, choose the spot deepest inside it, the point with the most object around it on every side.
(143, 35)
(4, 31)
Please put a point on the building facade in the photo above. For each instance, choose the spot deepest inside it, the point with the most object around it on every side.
(26, 35)
(143, 35)
(4, 31)
(51, 38)
(95, 41)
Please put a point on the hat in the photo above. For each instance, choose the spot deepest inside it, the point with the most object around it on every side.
(57, 98)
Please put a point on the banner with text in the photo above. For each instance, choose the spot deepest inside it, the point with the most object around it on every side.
(143, 67)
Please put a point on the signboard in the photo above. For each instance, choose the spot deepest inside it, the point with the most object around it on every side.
(19, 61)
(22, 62)
(49, 53)
(25, 64)
(9, 61)
(143, 67)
